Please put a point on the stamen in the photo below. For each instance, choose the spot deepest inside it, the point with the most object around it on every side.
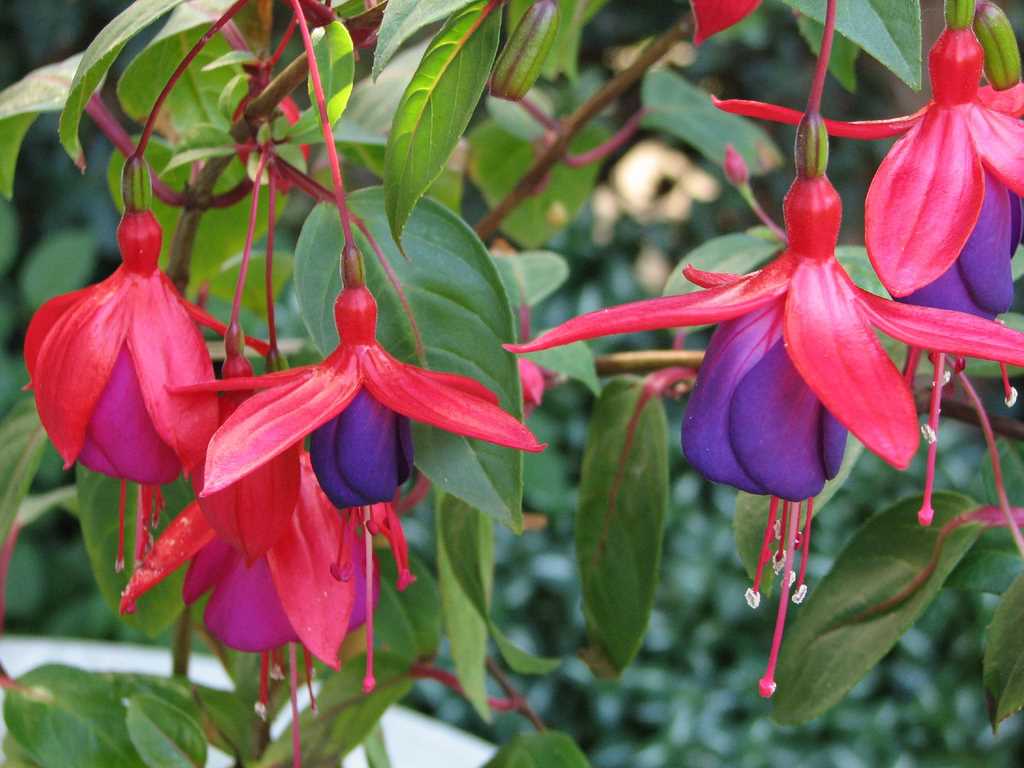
(927, 513)
(805, 549)
(910, 366)
(261, 704)
(119, 562)
(277, 664)
(766, 686)
(1009, 392)
(141, 523)
(341, 568)
(369, 681)
(762, 559)
(294, 686)
(753, 598)
(309, 680)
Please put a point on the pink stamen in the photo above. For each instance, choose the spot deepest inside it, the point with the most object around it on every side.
(294, 686)
(910, 366)
(369, 681)
(308, 660)
(805, 550)
(766, 686)
(119, 563)
(141, 522)
(931, 435)
(780, 552)
(754, 595)
(1009, 392)
(341, 568)
(264, 700)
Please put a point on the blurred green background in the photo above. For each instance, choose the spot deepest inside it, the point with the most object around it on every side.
(690, 697)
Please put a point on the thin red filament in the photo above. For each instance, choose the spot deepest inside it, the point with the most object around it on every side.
(293, 683)
(119, 562)
(766, 544)
(369, 681)
(931, 433)
(766, 685)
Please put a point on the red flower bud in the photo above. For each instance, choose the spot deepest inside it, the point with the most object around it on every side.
(736, 170)
(527, 47)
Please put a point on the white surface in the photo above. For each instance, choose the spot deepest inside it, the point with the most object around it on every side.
(413, 740)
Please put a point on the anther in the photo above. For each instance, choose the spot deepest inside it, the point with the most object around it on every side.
(753, 598)
(928, 434)
(800, 594)
(1011, 397)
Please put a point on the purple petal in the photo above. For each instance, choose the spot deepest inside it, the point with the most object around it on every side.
(776, 430)
(207, 568)
(121, 440)
(833, 443)
(1016, 223)
(361, 456)
(736, 347)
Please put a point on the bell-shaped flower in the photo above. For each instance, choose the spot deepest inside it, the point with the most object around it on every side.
(752, 422)
(711, 16)
(928, 194)
(100, 362)
(301, 401)
(828, 329)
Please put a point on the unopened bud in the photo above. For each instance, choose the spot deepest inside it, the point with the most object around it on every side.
(136, 188)
(811, 147)
(275, 361)
(520, 62)
(736, 170)
(1002, 56)
(959, 13)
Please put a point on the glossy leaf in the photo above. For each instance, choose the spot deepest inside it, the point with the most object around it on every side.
(402, 19)
(96, 61)
(42, 90)
(437, 106)
(573, 360)
(890, 32)
(539, 750)
(685, 111)
(737, 254)
(346, 715)
(464, 583)
(531, 276)
(22, 440)
(98, 498)
(499, 159)
(64, 717)
(165, 736)
(991, 566)
(462, 312)
(620, 521)
(845, 627)
(335, 57)
(62, 262)
(1003, 670)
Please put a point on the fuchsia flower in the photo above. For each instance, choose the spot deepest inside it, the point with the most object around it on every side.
(713, 16)
(929, 192)
(288, 595)
(798, 323)
(101, 359)
(360, 457)
(531, 377)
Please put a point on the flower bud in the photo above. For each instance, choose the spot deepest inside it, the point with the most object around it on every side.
(736, 170)
(959, 13)
(527, 47)
(811, 147)
(136, 188)
(1002, 56)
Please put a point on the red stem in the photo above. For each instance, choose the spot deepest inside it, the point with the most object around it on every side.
(243, 270)
(538, 114)
(147, 130)
(269, 273)
(428, 672)
(285, 39)
(818, 84)
(624, 134)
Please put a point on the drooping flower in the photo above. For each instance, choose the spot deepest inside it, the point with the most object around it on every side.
(928, 194)
(531, 378)
(712, 16)
(303, 400)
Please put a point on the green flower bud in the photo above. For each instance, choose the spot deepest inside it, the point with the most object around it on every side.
(959, 13)
(520, 62)
(811, 147)
(1002, 56)
(136, 188)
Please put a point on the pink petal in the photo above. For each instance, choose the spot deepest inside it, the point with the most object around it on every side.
(999, 139)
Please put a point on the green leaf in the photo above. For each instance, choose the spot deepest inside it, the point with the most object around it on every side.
(751, 515)
(1003, 668)
(465, 569)
(230, 59)
(8, 232)
(539, 750)
(98, 500)
(402, 19)
(499, 159)
(843, 62)
(737, 254)
(620, 521)
(408, 623)
(63, 717)
(519, 660)
(97, 59)
(891, 32)
(855, 261)
(190, 156)
(346, 715)
(845, 628)
(531, 276)
(60, 263)
(376, 750)
(686, 112)
(573, 360)
(991, 566)
(42, 90)
(463, 314)
(22, 440)
(254, 294)
(165, 736)
(436, 107)
(336, 59)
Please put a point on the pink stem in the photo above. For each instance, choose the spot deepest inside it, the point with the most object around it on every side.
(243, 269)
(624, 134)
(269, 273)
(538, 114)
(285, 39)
(369, 681)
(821, 69)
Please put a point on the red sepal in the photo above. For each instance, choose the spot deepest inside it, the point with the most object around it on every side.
(205, 319)
(188, 533)
(861, 129)
(924, 202)
(1009, 102)
(712, 16)
(998, 139)
(43, 321)
(709, 279)
(837, 354)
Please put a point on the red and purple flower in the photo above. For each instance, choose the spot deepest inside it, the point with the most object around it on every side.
(712, 16)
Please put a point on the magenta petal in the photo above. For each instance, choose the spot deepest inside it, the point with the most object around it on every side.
(121, 440)
(206, 569)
